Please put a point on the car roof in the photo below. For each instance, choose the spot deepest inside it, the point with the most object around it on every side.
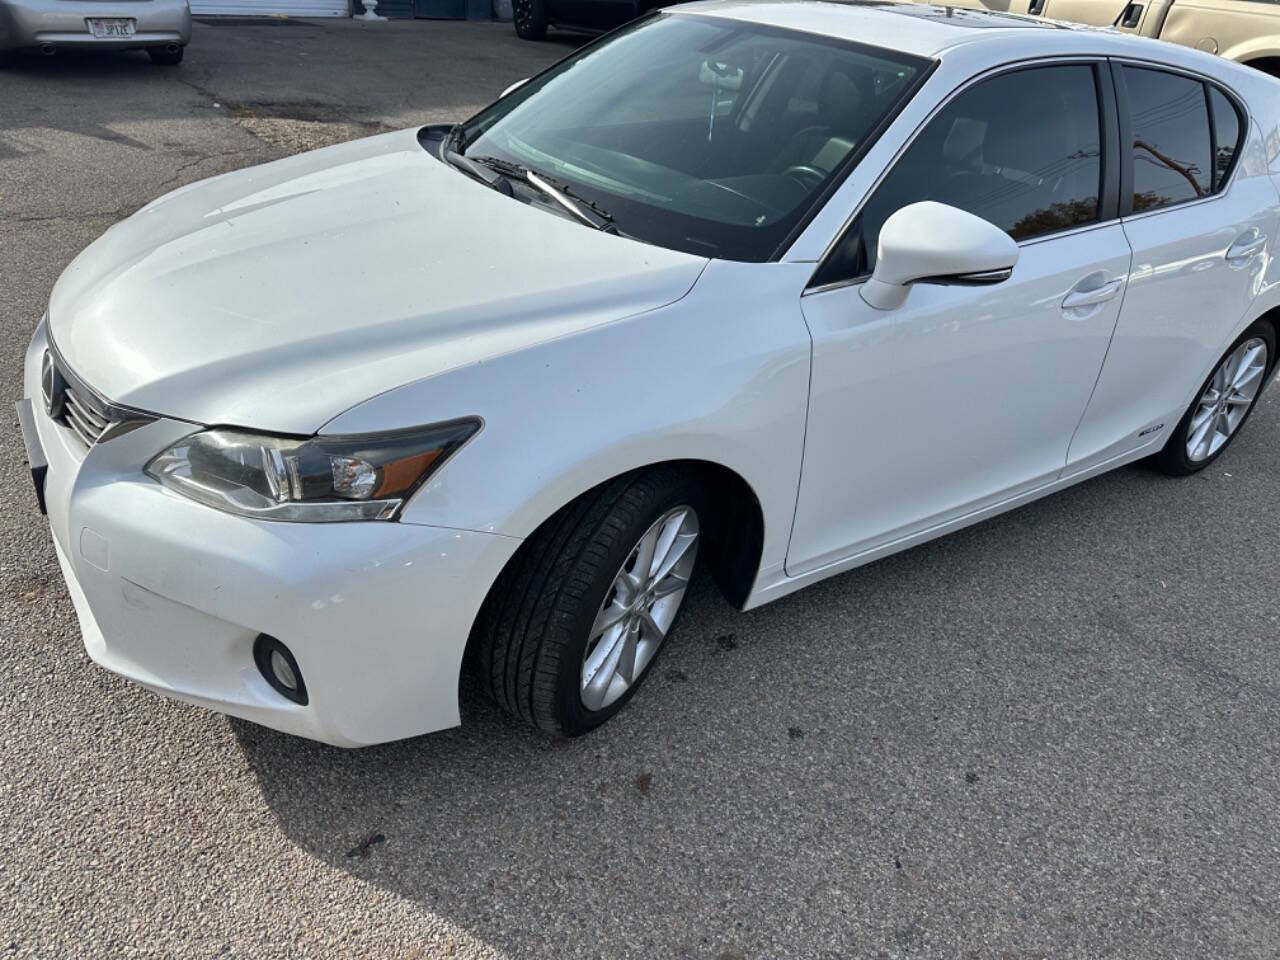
(915, 28)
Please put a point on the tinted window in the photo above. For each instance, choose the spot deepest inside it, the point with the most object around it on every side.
(1170, 138)
(1226, 135)
(1021, 150)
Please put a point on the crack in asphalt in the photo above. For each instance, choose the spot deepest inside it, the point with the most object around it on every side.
(177, 178)
(70, 217)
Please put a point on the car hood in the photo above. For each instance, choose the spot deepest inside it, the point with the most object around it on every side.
(281, 295)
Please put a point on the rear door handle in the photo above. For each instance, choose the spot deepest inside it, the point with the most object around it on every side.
(1078, 299)
(1251, 244)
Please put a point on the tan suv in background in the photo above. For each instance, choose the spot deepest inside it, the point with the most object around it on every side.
(1247, 31)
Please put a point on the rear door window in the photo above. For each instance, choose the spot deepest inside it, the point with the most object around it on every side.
(1169, 116)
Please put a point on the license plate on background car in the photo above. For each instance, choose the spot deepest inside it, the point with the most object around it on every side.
(110, 28)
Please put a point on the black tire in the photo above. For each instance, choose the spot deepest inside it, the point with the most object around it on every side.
(532, 633)
(530, 18)
(1173, 459)
(6, 59)
(163, 57)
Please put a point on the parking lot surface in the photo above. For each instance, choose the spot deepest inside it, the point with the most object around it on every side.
(1051, 735)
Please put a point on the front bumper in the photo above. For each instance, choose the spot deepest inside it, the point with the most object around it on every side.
(32, 23)
(172, 594)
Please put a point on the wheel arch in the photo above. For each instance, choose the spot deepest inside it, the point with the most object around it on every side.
(734, 538)
(1272, 316)
(735, 530)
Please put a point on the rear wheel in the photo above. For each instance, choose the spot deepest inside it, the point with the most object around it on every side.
(1223, 404)
(530, 17)
(576, 621)
(162, 56)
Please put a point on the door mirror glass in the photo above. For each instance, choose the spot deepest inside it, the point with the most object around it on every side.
(930, 242)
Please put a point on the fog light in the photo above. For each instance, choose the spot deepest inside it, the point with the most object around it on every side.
(282, 671)
(279, 668)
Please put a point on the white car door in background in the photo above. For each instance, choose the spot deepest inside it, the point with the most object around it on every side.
(965, 396)
(1199, 232)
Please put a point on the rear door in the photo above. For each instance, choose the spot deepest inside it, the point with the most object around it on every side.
(1201, 233)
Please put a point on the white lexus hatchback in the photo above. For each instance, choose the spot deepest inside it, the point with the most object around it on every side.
(776, 287)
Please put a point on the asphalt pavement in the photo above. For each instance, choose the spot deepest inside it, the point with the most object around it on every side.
(1051, 735)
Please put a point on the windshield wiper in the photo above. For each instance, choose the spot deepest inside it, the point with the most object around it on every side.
(485, 174)
(455, 139)
(586, 211)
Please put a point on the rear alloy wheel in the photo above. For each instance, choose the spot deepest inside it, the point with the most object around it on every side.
(575, 623)
(1225, 402)
(530, 17)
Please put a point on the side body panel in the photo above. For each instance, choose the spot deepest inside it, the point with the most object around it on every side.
(735, 392)
(1185, 304)
(721, 376)
(1262, 154)
(962, 397)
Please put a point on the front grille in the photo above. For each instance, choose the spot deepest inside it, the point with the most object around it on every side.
(79, 408)
(81, 413)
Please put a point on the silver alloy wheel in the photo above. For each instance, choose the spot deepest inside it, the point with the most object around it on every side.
(1225, 402)
(640, 607)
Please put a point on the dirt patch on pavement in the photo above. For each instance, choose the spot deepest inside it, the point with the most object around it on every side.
(306, 125)
(295, 136)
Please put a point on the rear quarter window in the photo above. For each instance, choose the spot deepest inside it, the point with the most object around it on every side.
(1227, 130)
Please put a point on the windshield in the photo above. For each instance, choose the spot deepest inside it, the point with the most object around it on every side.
(699, 134)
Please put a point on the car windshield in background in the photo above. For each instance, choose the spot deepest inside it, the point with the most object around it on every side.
(699, 134)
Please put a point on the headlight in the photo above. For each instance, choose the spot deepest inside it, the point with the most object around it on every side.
(316, 479)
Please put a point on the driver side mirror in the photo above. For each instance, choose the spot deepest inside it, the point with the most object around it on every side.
(931, 242)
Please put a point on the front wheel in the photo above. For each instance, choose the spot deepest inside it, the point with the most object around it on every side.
(1223, 404)
(530, 17)
(576, 621)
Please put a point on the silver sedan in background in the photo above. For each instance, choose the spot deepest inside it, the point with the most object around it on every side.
(161, 27)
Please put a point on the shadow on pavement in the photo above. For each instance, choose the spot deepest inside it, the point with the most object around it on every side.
(954, 739)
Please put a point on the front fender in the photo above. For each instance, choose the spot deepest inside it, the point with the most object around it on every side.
(720, 376)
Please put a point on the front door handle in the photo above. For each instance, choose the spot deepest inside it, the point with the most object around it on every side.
(1079, 299)
(1250, 245)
